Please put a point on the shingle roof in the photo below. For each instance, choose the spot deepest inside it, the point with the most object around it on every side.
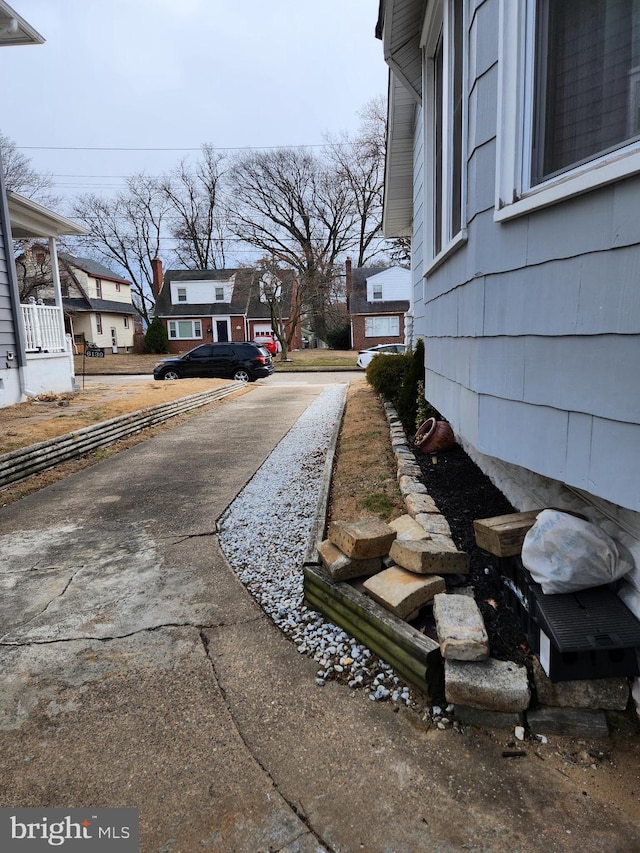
(94, 268)
(358, 303)
(103, 306)
(245, 299)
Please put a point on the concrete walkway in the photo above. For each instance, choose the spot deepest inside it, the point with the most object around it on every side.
(135, 670)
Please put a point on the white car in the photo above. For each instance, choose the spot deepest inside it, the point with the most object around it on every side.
(365, 355)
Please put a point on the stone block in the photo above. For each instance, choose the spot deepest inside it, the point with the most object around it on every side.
(363, 539)
(407, 469)
(488, 719)
(402, 592)
(418, 503)
(411, 485)
(425, 557)
(494, 685)
(608, 694)
(406, 528)
(568, 722)
(433, 523)
(460, 627)
(341, 567)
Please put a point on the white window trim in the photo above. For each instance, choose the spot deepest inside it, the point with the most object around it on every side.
(514, 194)
(192, 337)
(179, 292)
(436, 20)
(372, 321)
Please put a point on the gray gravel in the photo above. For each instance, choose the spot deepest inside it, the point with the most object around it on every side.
(266, 549)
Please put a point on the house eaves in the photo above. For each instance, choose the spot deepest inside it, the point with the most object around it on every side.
(400, 27)
(30, 219)
(397, 209)
(14, 30)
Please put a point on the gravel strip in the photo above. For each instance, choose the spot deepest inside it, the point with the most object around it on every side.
(267, 551)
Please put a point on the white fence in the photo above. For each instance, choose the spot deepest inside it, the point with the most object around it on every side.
(43, 326)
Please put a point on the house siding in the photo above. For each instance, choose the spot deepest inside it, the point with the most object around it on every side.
(533, 326)
(10, 387)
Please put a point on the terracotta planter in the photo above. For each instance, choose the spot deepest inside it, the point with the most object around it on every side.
(434, 436)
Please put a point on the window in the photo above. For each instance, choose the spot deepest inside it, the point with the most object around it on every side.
(99, 323)
(219, 294)
(569, 100)
(126, 322)
(181, 330)
(587, 77)
(182, 294)
(99, 288)
(445, 119)
(381, 327)
(376, 291)
(117, 287)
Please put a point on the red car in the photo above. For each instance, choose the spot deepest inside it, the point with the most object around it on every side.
(268, 342)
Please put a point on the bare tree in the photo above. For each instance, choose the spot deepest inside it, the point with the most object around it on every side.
(195, 214)
(292, 206)
(359, 163)
(283, 299)
(20, 176)
(127, 230)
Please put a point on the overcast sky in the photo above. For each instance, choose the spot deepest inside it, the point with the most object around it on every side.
(176, 73)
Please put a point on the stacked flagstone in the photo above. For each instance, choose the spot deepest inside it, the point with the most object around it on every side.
(475, 683)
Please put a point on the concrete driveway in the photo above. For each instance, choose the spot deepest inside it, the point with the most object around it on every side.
(135, 670)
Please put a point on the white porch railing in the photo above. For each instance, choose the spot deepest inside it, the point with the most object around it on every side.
(43, 326)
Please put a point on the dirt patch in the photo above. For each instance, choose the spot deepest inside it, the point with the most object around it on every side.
(364, 480)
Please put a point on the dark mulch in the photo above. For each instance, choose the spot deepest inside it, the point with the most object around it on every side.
(463, 493)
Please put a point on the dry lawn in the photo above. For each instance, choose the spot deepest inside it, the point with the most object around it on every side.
(307, 359)
(364, 481)
(364, 477)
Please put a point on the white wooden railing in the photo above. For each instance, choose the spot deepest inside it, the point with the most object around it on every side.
(43, 325)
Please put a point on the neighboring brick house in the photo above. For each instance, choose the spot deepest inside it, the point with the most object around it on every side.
(379, 303)
(96, 302)
(206, 306)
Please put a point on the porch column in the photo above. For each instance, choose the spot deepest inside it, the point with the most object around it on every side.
(57, 289)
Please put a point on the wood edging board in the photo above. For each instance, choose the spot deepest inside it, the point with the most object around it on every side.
(413, 655)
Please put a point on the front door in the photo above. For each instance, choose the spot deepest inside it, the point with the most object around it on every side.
(222, 331)
(114, 340)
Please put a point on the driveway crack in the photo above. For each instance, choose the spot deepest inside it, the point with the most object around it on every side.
(295, 808)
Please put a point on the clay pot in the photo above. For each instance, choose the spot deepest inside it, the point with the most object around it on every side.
(433, 436)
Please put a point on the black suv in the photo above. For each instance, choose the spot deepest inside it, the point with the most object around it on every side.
(244, 362)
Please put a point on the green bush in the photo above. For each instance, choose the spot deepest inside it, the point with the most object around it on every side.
(407, 404)
(340, 337)
(156, 338)
(386, 373)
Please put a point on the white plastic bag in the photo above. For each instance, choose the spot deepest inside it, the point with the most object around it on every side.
(566, 554)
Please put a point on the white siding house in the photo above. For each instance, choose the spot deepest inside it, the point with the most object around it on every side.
(518, 175)
(35, 353)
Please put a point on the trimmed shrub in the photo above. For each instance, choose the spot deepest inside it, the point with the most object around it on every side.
(386, 373)
(407, 404)
(156, 338)
(340, 337)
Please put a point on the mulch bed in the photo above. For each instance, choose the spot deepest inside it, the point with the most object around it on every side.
(462, 493)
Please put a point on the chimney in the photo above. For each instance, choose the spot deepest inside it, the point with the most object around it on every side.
(348, 282)
(156, 284)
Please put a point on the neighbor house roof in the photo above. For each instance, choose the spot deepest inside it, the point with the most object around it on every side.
(14, 29)
(91, 267)
(358, 303)
(245, 299)
(102, 306)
